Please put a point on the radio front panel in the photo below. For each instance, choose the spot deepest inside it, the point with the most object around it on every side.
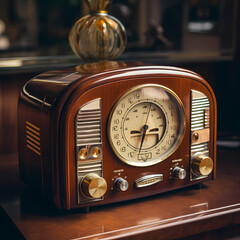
(126, 133)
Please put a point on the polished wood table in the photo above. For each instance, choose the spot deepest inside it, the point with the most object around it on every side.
(209, 212)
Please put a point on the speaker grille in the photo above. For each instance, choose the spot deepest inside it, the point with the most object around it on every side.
(199, 118)
(33, 137)
(88, 127)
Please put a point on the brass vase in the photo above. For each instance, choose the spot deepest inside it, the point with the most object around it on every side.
(98, 36)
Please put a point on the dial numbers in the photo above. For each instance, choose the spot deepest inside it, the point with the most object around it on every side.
(146, 125)
(135, 120)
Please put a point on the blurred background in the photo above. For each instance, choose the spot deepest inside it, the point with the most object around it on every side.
(200, 35)
(40, 27)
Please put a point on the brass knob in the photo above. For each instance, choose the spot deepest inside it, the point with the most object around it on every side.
(93, 186)
(202, 165)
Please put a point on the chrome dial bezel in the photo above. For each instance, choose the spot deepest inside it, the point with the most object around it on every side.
(181, 130)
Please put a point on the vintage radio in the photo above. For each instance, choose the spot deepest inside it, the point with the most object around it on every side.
(106, 132)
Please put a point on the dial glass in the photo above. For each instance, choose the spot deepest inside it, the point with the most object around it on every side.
(146, 125)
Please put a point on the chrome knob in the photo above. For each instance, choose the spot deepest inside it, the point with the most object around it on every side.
(121, 184)
(93, 186)
(202, 165)
(179, 173)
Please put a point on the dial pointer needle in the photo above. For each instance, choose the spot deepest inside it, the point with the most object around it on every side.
(145, 127)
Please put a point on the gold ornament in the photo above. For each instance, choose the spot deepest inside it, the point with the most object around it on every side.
(98, 36)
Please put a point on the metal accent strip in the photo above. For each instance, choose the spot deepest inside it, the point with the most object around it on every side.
(34, 150)
(33, 138)
(33, 126)
(33, 145)
(32, 130)
(90, 170)
(89, 166)
(89, 162)
(29, 133)
(148, 180)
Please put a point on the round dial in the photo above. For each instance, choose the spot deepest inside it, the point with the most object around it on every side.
(146, 125)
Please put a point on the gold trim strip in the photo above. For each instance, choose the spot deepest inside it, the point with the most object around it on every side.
(29, 133)
(200, 136)
(33, 145)
(37, 142)
(37, 152)
(32, 130)
(30, 124)
(148, 180)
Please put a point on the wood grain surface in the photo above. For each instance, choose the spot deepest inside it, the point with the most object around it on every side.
(181, 213)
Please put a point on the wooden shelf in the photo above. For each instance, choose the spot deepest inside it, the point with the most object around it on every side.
(13, 65)
(182, 213)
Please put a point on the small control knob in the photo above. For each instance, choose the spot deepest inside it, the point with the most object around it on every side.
(121, 184)
(93, 186)
(179, 173)
(202, 165)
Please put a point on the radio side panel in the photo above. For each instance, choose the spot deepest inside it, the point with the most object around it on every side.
(36, 148)
(30, 163)
(37, 132)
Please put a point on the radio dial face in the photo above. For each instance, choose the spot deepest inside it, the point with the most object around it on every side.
(146, 125)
